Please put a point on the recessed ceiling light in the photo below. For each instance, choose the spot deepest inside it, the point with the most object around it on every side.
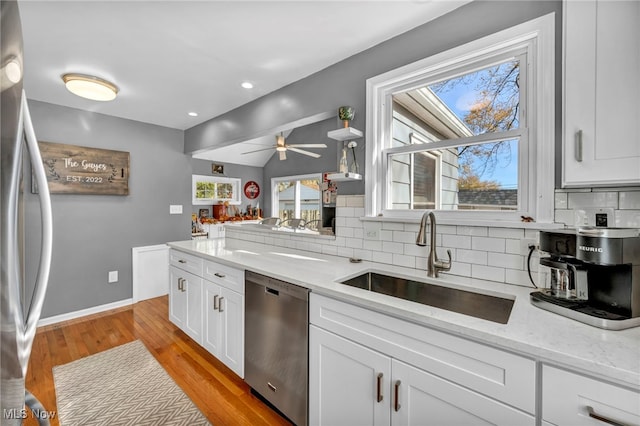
(90, 87)
(247, 85)
(193, 114)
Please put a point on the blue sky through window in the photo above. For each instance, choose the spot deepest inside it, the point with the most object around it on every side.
(461, 95)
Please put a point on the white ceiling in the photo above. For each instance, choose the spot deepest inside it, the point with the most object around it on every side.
(172, 57)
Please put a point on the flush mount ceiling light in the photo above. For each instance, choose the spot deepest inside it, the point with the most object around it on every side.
(247, 85)
(90, 87)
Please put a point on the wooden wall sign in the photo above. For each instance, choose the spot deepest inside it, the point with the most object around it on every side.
(73, 169)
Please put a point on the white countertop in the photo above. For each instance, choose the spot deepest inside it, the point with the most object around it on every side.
(545, 336)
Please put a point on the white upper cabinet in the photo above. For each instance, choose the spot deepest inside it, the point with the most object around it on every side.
(601, 145)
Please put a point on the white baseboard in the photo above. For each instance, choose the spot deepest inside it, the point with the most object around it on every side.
(84, 312)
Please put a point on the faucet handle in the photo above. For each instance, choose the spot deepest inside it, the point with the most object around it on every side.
(442, 265)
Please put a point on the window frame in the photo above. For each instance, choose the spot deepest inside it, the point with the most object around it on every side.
(275, 208)
(437, 157)
(536, 147)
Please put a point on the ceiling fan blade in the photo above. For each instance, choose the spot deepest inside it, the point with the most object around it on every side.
(308, 145)
(283, 155)
(301, 151)
(258, 150)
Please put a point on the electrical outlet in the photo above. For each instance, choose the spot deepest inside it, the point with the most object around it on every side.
(113, 277)
(525, 243)
(372, 230)
(175, 209)
(602, 217)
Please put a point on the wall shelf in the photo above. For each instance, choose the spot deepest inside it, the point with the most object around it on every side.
(341, 177)
(344, 134)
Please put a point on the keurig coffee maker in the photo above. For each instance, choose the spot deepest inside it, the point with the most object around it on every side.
(594, 276)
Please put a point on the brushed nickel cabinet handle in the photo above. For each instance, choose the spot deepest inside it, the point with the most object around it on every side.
(578, 146)
(220, 304)
(184, 281)
(396, 405)
(182, 261)
(180, 280)
(215, 302)
(603, 419)
(379, 387)
(219, 275)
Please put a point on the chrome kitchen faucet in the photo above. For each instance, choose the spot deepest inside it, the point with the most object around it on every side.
(433, 263)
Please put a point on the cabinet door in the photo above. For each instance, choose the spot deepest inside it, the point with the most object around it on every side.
(231, 313)
(212, 334)
(420, 398)
(193, 316)
(348, 383)
(602, 88)
(177, 298)
(568, 399)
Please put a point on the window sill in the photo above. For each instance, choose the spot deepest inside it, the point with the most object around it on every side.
(468, 222)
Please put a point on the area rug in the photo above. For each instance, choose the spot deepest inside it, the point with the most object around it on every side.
(124, 385)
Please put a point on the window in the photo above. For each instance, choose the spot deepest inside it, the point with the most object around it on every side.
(469, 132)
(213, 189)
(297, 197)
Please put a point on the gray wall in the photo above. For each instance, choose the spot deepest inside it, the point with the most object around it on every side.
(94, 234)
(345, 82)
(246, 173)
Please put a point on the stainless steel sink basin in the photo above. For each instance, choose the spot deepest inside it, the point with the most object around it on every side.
(478, 305)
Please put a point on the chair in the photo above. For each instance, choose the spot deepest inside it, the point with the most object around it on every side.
(293, 223)
(313, 225)
(270, 221)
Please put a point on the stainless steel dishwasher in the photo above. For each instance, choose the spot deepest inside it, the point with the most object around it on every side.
(277, 343)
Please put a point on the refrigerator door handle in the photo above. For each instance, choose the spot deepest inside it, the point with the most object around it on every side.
(42, 279)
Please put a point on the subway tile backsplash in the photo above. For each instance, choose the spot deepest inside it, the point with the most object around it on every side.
(575, 206)
(477, 251)
(495, 254)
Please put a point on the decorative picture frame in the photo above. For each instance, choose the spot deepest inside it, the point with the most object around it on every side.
(203, 213)
(217, 169)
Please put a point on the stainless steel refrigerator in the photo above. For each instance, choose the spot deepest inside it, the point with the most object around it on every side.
(19, 312)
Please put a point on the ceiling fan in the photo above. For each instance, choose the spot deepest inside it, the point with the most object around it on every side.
(282, 148)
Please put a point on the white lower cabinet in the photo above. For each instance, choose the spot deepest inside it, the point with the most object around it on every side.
(370, 368)
(572, 399)
(206, 301)
(224, 326)
(185, 302)
(421, 398)
(346, 382)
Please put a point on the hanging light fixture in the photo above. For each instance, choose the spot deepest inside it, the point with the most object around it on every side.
(90, 87)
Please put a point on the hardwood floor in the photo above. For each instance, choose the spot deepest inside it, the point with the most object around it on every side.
(222, 396)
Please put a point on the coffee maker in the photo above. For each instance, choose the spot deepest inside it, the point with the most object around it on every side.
(594, 276)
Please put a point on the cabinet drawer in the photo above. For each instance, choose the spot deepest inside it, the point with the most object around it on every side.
(186, 262)
(568, 398)
(226, 276)
(493, 372)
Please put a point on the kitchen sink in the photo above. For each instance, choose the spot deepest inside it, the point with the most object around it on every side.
(478, 305)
